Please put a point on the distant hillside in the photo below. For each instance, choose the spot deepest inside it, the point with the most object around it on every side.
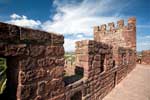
(70, 57)
(139, 53)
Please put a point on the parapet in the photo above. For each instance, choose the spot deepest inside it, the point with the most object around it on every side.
(111, 26)
(16, 34)
(132, 23)
(120, 23)
(117, 35)
(132, 20)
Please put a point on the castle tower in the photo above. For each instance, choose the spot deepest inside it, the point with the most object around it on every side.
(119, 36)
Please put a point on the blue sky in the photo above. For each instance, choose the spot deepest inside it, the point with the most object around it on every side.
(75, 18)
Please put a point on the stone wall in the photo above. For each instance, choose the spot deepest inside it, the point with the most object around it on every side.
(36, 62)
(96, 59)
(119, 36)
(100, 72)
(145, 59)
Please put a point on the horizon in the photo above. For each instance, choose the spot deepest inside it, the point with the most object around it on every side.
(75, 19)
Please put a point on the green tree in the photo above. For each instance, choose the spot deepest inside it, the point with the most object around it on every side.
(3, 78)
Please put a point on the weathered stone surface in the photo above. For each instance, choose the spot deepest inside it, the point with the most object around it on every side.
(9, 33)
(26, 92)
(36, 50)
(30, 34)
(46, 62)
(41, 89)
(28, 63)
(38, 58)
(38, 98)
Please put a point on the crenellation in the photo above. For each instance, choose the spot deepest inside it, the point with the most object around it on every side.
(103, 32)
(120, 24)
(103, 27)
(96, 28)
(111, 26)
(132, 20)
(112, 29)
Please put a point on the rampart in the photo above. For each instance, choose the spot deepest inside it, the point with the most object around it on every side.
(35, 61)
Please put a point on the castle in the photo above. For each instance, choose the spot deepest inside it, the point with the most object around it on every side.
(35, 61)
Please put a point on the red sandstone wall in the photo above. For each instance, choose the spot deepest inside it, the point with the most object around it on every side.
(40, 59)
(119, 36)
(104, 65)
(100, 73)
(127, 62)
(145, 57)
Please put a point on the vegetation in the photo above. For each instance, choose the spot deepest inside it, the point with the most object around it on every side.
(70, 57)
(3, 78)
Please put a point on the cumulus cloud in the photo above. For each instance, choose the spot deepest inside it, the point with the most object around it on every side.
(24, 21)
(143, 42)
(70, 43)
(144, 45)
(15, 16)
(73, 18)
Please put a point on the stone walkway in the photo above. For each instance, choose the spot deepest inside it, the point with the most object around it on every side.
(136, 86)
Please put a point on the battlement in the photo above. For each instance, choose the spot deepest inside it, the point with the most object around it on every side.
(16, 34)
(110, 27)
(117, 35)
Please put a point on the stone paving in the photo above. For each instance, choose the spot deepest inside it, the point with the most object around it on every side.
(136, 86)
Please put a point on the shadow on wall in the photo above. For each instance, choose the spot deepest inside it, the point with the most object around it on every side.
(77, 96)
(11, 85)
(73, 78)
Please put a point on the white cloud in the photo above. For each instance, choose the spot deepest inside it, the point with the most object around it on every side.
(15, 16)
(148, 36)
(143, 45)
(24, 21)
(80, 18)
(70, 43)
(79, 36)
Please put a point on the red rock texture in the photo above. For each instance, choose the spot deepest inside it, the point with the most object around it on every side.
(40, 62)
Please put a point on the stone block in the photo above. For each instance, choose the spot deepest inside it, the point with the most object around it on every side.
(28, 63)
(34, 35)
(9, 33)
(26, 92)
(37, 50)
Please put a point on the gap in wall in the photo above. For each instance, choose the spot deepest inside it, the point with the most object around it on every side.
(12, 79)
